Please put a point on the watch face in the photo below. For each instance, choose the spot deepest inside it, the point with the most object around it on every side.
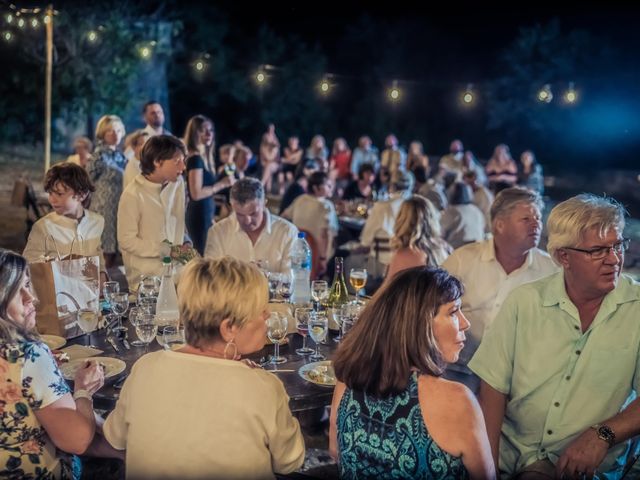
(605, 433)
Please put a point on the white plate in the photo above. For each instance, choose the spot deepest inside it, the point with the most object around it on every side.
(112, 366)
(54, 342)
(320, 373)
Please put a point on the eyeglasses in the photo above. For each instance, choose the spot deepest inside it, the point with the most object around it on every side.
(599, 253)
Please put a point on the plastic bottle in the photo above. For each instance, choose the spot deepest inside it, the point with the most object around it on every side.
(301, 267)
(167, 306)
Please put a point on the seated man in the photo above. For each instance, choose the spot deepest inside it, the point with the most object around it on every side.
(490, 269)
(382, 217)
(252, 233)
(562, 357)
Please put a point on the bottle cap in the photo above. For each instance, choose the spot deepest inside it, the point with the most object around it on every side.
(166, 260)
(300, 234)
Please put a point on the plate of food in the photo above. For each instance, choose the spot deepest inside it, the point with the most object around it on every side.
(112, 366)
(320, 373)
(54, 342)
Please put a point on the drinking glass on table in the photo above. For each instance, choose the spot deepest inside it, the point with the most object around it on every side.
(109, 289)
(135, 313)
(319, 292)
(276, 332)
(274, 281)
(340, 314)
(119, 306)
(285, 286)
(88, 321)
(146, 329)
(302, 316)
(148, 304)
(149, 286)
(173, 336)
(318, 328)
(358, 279)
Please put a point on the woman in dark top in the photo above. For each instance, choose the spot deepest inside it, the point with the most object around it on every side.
(362, 188)
(392, 414)
(299, 186)
(202, 183)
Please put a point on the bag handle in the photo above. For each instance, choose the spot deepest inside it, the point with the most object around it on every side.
(73, 242)
(55, 245)
(75, 302)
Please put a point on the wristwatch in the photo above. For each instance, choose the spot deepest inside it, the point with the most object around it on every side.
(605, 433)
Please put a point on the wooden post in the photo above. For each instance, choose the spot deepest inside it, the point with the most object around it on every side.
(48, 79)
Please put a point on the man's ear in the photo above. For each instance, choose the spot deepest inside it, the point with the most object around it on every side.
(562, 257)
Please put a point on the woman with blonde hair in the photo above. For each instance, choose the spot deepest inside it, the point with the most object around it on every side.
(199, 412)
(417, 237)
(202, 182)
(392, 414)
(106, 171)
(40, 418)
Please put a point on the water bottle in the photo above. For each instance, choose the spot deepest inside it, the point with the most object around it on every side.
(301, 267)
(167, 304)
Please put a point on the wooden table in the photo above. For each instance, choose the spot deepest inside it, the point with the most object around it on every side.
(304, 395)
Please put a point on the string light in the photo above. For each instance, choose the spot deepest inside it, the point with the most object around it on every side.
(35, 23)
(47, 19)
(261, 76)
(467, 96)
(9, 18)
(325, 86)
(92, 36)
(21, 22)
(545, 95)
(7, 36)
(571, 96)
(394, 92)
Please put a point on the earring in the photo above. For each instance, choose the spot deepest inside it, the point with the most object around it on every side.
(235, 350)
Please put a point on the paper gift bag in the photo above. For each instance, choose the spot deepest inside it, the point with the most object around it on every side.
(63, 287)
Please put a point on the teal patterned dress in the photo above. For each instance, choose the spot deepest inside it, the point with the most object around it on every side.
(387, 438)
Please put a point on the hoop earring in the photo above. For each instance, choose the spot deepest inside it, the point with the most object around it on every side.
(235, 350)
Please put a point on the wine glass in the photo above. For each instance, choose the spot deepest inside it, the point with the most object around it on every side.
(302, 316)
(274, 281)
(148, 304)
(88, 321)
(318, 328)
(109, 289)
(229, 169)
(358, 279)
(135, 313)
(319, 291)
(146, 329)
(340, 314)
(276, 332)
(285, 286)
(149, 286)
(119, 306)
(173, 335)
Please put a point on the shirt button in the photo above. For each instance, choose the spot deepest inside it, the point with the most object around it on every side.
(542, 450)
(578, 352)
(568, 377)
(576, 327)
(550, 432)
(557, 404)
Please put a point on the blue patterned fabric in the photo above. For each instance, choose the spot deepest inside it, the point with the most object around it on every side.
(387, 438)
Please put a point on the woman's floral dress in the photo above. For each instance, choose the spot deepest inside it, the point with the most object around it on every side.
(29, 380)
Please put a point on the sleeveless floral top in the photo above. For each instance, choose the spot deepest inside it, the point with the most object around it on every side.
(387, 438)
(29, 380)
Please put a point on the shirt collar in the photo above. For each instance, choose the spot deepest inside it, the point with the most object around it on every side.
(142, 180)
(488, 254)
(555, 293)
(267, 226)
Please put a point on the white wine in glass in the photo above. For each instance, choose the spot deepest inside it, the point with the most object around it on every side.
(358, 279)
(88, 321)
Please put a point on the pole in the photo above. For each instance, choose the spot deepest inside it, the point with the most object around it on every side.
(47, 94)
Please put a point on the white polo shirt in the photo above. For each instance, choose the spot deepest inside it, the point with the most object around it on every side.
(487, 285)
(274, 244)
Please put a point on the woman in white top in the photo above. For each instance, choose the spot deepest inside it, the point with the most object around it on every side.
(200, 412)
(70, 228)
(135, 142)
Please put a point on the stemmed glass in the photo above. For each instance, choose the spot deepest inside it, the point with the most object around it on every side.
(146, 329)
(134, 317)
(88, 321)
(119, 306)
(340, 314)
(318, 327)
(302, 316)
(358, 279)
(274, 280)
(319, 292)
(109, 289)
(276, 332)
(149, 286)
(285, 287)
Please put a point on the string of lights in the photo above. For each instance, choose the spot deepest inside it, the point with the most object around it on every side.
(17, 19)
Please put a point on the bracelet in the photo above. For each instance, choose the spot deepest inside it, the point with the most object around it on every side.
(78, 394)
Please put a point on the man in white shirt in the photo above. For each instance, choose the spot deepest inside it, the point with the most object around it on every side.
(151, 209)
(451, 163)
(491, 269)
(393, 158)
(153, 116)
(252, 233)
(382, 216)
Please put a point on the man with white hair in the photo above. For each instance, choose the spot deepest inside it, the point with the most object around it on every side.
(492, 268)
(562, 357)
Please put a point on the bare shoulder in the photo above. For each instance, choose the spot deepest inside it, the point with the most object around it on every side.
(452, 400)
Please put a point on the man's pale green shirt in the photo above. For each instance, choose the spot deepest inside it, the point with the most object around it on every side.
(558, 380)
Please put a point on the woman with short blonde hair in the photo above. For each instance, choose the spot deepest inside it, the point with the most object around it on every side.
(417, 236)
(198, 412)
(106, 171)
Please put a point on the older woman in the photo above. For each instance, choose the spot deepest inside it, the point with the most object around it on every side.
(393, 415)
(106, 169)
(199, 412)
(417, 239)
(40, 418)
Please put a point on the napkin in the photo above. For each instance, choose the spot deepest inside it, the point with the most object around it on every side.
(80, 351)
